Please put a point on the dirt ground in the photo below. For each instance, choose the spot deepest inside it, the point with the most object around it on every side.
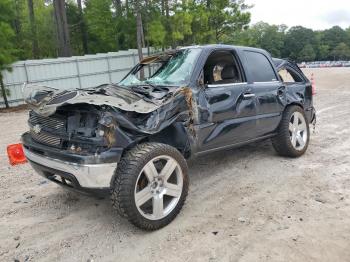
(246, 204)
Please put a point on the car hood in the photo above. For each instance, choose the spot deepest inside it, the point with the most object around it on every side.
(45, 100)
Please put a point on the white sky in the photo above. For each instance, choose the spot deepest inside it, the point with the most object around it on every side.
(317, 15)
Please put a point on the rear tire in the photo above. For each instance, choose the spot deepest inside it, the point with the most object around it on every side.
(150, 185)
(293, 133)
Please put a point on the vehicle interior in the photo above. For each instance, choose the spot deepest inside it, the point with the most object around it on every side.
(221, 67)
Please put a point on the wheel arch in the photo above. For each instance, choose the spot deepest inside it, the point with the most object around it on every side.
(175, 135)
(294, 103)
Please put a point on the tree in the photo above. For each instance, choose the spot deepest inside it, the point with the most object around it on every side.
(341, 51)
(296, 39)
(263, 35)
(156, 33)
(83, 27)
(333, 36)
(307, 53)
(227, 16)
(7, 47)
(62, 28)
(101, 26)
(181, 23)
(139, 34)
(323, 52)
(35, 47)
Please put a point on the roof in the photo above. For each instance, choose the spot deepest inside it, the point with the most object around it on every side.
(223, 46)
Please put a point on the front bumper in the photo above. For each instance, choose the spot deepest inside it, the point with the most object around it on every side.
(86, 175)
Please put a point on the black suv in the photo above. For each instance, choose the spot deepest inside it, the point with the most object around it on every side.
(131, 139)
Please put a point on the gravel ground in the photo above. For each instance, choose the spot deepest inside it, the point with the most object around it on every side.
(246, 204)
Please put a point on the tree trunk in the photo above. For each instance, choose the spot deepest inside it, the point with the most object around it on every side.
(35, 46)
(139, 35)
(3, 92)
(163, 7)
(82, 28)
(17, 20)
(167, 8)
(62, 28)
(118, 7)
(127, 7)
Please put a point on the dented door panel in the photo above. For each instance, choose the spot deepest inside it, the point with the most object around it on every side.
(226, 116)
(270, 97)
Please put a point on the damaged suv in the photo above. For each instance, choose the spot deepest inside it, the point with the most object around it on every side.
(131, 139)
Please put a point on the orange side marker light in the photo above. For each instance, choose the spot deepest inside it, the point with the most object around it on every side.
(15, 154)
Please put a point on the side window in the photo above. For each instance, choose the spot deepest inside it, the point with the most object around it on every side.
(285, 76)
(288, 76)
(221, 68)
(260, 67)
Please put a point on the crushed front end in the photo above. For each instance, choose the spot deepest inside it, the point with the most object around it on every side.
(74, 147)
(77, 137)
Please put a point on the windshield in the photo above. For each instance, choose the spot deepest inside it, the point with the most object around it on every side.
(175, 71)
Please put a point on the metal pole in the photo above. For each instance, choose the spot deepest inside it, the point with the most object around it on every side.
(26, 71)
(109, 69)
(133, 58)
(78, 72)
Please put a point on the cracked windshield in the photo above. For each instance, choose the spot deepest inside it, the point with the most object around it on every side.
(176, 71)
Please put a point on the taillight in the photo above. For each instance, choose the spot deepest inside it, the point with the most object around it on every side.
(313, 87)
(15, 154)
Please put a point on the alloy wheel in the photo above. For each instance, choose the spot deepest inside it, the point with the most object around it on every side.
(298, 131)
(158, 187)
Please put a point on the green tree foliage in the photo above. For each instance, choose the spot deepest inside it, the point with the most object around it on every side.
(333, 36)
(263, 35)
(45, 30)
(101, 26)
(296, 39)
(7, 47)
(307, 53)
(225, 17)
(110, 25)
(156, 33)
(341, 51)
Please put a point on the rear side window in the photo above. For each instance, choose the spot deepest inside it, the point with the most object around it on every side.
(260, 67)
(288, 76)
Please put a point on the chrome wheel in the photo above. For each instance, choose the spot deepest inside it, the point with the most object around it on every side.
(158, 187)
(298, 131)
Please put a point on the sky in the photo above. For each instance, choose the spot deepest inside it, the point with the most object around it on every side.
(317, 15)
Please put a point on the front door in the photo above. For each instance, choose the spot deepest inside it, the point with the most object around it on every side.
(226, 104)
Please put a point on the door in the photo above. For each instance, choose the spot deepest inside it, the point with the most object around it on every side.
(268, 90)
(226, 104)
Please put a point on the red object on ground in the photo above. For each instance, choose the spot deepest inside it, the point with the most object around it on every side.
(16, 154)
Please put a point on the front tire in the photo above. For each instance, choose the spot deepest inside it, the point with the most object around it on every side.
(293, 133)
(150, 185)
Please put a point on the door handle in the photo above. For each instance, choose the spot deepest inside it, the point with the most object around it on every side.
(248, 95)
(281, 90)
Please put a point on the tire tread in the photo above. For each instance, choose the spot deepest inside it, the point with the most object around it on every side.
(124, 180)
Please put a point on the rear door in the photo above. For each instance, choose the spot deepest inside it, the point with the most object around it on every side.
(268, 90)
